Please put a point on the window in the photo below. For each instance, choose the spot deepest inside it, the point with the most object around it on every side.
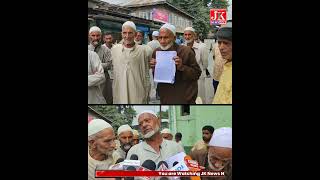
(185, 110)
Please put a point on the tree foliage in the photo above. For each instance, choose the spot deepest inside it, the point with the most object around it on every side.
(200, 10)
(164, 114)
(118, 114)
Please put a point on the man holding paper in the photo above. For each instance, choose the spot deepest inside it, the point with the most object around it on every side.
(175, 69)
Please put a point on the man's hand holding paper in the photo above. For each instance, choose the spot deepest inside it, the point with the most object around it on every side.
(165, 66)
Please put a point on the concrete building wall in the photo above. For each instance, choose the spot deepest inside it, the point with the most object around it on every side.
(191, 125)
(177, 19)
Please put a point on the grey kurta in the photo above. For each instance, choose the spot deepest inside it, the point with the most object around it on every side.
(144, 151)
(131, 83)
(95, 79)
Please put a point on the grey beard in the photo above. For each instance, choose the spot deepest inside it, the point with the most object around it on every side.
(95, 43)
(189, 41)
(151, 133)
(138, 42)
(166, 47)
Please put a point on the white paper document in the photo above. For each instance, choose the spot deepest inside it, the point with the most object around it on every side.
(165, 69)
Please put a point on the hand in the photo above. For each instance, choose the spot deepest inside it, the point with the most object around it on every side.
(178, 62)
(152, 63)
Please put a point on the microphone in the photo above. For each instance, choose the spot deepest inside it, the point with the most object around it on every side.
(162, 165)
(134, 157)
(175, 163)
(149, 164)
(118, 165)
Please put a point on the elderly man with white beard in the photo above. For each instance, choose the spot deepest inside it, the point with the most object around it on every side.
(184, 90)
(131, 80)
(95, 36)
(154, 147)
(220, 153)
(100, 146)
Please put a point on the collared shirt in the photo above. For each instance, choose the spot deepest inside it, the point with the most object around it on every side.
(218, 63)
(224, 91)
(131, 84)
(144, 151)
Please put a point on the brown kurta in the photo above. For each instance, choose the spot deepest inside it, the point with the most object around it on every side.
(185, 88)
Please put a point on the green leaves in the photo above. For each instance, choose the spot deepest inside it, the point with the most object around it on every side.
(118, 114)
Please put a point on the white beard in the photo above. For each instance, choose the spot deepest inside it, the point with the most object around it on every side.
(151, 133)
(138, 42)
(188, 41)
(166, 47)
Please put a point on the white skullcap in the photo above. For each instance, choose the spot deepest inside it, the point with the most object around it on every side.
(189, 29)
(222, 137)
(130, 24)
(166, 130)
(124, 128)
(170, 27)
(135, 132)
(146, 111)
(94, 29)
(97, 125)
(155, 33)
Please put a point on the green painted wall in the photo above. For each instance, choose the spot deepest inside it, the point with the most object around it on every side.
(191, 125)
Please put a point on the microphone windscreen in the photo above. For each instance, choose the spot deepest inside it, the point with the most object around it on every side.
(175, 163)
(131, 168)
(162, 163)
(149, 164)
(134, 157)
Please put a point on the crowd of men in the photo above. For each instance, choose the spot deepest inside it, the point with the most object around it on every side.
(123, 73)
(213, 152)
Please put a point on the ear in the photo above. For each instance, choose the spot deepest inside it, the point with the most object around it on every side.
(159, 122)
(91, 143)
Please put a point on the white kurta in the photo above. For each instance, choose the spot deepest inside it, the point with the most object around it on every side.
(95, 79)
(103, 165)
(204, 92)
(131, 83)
